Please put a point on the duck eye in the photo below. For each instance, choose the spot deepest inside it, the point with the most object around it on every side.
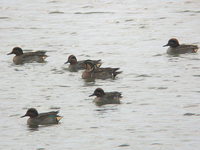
(171, 42)
(98, 93)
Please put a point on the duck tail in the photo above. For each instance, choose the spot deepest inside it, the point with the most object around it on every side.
(115, 69)
(99, 63)
(120, 95)
(195, 48)
(99, 60)
(116, 73)
(41, 53)
(58, 118)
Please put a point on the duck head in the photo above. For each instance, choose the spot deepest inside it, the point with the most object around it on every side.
(71, 59)
(172, 43)
(17, 51)
(31, 112)
(99, 92)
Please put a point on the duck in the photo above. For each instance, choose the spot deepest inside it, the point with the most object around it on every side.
(21, 58)
(176, 48)
(103, 98)
(75, 65)
(93, 72)
(46, 118)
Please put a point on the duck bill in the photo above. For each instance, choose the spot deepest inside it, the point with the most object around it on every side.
(23, 116)
(66, 62)
(165, 45)
(10, 53)
(91, 95)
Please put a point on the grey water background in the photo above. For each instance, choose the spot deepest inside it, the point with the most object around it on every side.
(161, 93)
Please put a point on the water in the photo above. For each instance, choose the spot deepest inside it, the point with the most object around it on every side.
(160, 105)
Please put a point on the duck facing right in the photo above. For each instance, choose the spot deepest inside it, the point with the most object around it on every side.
(176, 48)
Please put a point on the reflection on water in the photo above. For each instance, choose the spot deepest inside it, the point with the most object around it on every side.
(89, 82)
(33, 128)
(106, 109)
(123, 145)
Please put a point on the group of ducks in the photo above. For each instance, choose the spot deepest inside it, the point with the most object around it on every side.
(92, 70)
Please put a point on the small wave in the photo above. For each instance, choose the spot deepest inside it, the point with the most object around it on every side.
(189, 11)
(143, 75)
(123, 145)
(54, 107)
(191, 114)
(196, 75)
(4, 18)
(86, 13)
(56, 12)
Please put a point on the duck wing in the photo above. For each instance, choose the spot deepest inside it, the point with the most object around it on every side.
(47, 118)
(113, 95)
(37, 53)
(51, 113)
(188, 48)
(108, 69)
(38, 56)
(97, 63)
(112, 71)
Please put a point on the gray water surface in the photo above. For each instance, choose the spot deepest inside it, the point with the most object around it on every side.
(160, 108)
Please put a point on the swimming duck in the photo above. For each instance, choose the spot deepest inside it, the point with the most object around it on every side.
(176, 48)
(21, 58)
(94, 72)
(42, 118)
(103, 98)
(79, 65)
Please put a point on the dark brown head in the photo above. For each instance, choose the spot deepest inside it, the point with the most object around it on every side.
(71, 59)
(17, 51)
(99, 92)
(172, 43)
(31, 112)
